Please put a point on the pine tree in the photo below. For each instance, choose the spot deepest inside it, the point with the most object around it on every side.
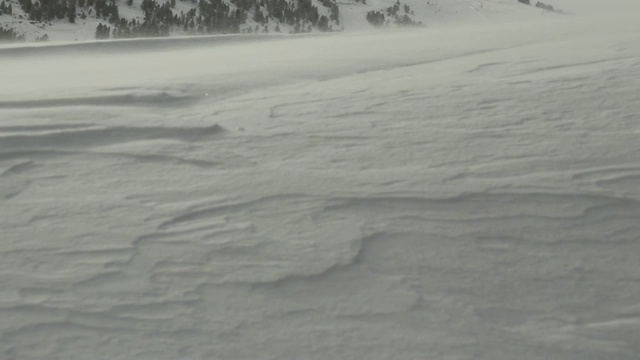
(102, 31)
(257, 14)
(113, 9)
(71, 12)
(323, 23)
(61, 9)
(27, 5)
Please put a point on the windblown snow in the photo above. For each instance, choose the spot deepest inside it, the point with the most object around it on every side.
(456, 192)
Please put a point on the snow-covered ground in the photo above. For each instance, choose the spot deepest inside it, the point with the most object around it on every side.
(467, 192)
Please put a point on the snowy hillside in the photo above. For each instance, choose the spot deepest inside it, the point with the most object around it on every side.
(69, 20)
(469, 192)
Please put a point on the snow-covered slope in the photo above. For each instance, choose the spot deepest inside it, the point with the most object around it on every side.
(468, 192)
(352, 16)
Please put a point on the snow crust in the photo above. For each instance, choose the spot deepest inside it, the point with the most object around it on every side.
(462, 192)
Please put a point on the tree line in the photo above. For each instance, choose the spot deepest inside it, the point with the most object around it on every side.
(217, 16)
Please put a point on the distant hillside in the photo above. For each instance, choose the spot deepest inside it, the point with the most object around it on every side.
(68, 20)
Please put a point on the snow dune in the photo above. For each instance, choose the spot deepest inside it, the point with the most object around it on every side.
(451, 193)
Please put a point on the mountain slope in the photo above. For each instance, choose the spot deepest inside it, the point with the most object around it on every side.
(138, 18)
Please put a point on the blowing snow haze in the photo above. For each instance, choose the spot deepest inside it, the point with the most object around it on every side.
(468, 189)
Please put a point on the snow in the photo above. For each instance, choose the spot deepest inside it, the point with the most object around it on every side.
(456, 192)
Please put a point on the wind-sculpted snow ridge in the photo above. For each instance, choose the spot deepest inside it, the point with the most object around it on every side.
(476, 197)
